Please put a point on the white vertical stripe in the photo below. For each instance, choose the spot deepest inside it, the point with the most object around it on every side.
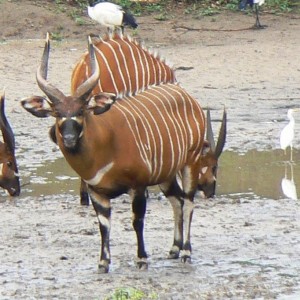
(146, 127)
(109, 70)
(179, 126)
(125, 59)
(118, 64)
(132, 124)
(154, 75)
(153, 128)
(135, 64)
(195, 109)
(150, 97)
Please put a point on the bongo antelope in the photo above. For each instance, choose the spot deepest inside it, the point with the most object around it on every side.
(126, 67)
(125, 144)
(9, 178)
(210, 156)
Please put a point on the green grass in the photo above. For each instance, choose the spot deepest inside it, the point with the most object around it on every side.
(129, 293)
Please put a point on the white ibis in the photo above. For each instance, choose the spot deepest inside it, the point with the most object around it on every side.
(110, 15)
(243, 4)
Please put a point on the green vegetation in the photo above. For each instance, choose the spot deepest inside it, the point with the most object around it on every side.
(57, 34)
(161, 8)
(129, 293)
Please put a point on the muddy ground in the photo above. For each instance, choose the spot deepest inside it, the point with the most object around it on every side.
(242, 248)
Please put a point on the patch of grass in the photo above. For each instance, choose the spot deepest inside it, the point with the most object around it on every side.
(211, 7)
(162, 16)
(57, 35)
(273, 5)
(129, 293)
(280, 5)
(232, 5)
(155, 7)
(209, 11)
(78, 3)
(75, 14)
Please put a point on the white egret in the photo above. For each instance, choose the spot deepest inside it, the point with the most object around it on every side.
(287, 133)
(243, 4)
(110, 15)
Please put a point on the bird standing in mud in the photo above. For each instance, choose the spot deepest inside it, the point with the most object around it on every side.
(110, 15)
(287, 133)
(243, 5)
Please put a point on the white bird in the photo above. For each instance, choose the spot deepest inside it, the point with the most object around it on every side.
(288, 185)
(110, 15)
(243, 4)
(287, 133)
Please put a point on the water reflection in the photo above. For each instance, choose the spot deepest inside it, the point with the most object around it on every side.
(257, 174)
(254, 174)
(288, 185)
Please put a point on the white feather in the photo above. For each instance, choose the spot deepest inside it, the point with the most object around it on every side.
(107, 14)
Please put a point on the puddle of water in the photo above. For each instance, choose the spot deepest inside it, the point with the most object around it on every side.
(52, 178)
(254, 174)
(259, 174)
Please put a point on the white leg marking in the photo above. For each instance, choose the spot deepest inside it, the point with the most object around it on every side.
(104, 221)
(177, 217)
(187, 179)
(188, 207)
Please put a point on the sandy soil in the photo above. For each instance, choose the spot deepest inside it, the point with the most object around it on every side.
(242, 248)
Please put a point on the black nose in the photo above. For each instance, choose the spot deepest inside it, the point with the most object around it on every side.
(70, 131)
(70, 140)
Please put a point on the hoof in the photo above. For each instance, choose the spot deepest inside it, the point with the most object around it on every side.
(174, 252)
(103, 268)
(142, 264)
(186, 259)
(173, 255)
(186, 256)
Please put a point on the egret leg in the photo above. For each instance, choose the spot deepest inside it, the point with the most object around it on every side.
(285, 170)
(292, 172)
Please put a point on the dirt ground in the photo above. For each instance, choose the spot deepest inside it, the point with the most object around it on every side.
(242, 248)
